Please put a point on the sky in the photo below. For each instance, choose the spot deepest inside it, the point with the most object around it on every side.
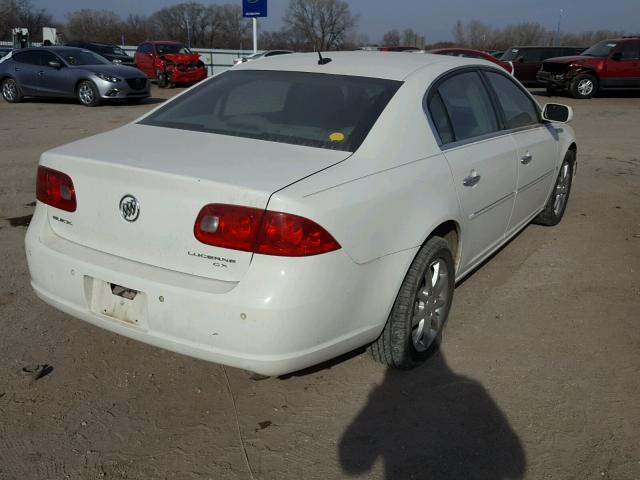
(432, 18)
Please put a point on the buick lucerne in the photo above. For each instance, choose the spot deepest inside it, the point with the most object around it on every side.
(293, 209)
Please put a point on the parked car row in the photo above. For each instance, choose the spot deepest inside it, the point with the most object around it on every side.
(94, 72)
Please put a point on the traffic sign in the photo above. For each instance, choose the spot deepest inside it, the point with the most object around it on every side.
(254, 8)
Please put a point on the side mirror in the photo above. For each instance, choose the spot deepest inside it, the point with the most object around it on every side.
(520, 59)
(56, 65)
(554, 112)
(617, 56)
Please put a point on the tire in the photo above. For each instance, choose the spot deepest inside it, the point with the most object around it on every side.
(403, 343)
(163, 82)
(557, 202)
(11, 91)
(87, 94)
(584, 86)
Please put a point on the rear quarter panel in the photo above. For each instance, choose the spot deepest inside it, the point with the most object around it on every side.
(390, 195)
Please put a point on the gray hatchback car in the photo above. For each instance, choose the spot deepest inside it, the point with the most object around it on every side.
(71, 73)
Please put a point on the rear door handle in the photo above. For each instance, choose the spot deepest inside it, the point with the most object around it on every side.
(526, 158)
(16, 69)
(40, 73)
(472, 180)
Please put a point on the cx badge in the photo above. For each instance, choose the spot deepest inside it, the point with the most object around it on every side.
(129, 208)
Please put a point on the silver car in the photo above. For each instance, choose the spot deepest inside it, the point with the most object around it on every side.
(71, 73)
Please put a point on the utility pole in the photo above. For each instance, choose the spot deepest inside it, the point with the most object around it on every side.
(557, 42)
(255, 35)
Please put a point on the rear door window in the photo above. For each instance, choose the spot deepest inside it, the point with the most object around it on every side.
(630, 51)
(468, 106)
(32, 57)
(518, 109)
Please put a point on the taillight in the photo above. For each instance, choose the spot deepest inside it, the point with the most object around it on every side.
(228, 226)
(259, 231)
(56, 189)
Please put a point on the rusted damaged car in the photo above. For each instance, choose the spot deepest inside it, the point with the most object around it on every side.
(169, 63)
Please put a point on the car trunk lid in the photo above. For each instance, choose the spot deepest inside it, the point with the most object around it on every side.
(172, 174)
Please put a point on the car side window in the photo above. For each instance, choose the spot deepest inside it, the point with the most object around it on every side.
(468, 107)
(46, 57)
(531, 55)
(630, 51)
(440, 118)
(31, 57)
(519, 110)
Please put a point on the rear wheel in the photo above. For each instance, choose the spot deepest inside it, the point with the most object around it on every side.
(87, 94)
(11, 91)
(557, 202)
(414, 328)
(584, 86)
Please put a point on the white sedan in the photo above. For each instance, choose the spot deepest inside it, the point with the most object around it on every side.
(291, 210)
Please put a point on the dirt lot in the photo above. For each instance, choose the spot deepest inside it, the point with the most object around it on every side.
(539, 376)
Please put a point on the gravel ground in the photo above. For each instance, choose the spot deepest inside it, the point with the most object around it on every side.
(539, 375)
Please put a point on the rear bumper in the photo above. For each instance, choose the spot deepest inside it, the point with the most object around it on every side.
(286, 314)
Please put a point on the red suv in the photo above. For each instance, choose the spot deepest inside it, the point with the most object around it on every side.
(169, 63)
(610, 64)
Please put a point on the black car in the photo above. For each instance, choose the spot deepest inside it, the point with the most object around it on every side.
(113, 53)
(5, 51)
(528, 60)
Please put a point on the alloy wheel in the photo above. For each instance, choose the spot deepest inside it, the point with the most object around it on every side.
(585, 87)
(562, 189)
(10, 90)
(430, 305)
(85, 92)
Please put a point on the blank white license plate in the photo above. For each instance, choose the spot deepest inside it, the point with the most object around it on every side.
(119, 302)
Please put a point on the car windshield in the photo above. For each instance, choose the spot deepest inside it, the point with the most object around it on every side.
(82, 57)
(171, 48)
(602, 49)
(317, 110)
(111, 50)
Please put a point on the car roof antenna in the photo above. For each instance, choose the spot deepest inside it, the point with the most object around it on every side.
(322, 61)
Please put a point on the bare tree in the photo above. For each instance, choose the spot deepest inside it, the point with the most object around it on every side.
(22, 13)
(136, 29)
(233, 29)
(324, 24)
(411, 38)
(391, 38)
(185, 22)
(96, 25)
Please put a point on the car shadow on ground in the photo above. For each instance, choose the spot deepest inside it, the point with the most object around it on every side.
(431, 423)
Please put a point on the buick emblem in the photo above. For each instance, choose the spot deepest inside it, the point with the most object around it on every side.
(129, 208)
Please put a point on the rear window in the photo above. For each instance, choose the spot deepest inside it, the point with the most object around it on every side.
(317, 110)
